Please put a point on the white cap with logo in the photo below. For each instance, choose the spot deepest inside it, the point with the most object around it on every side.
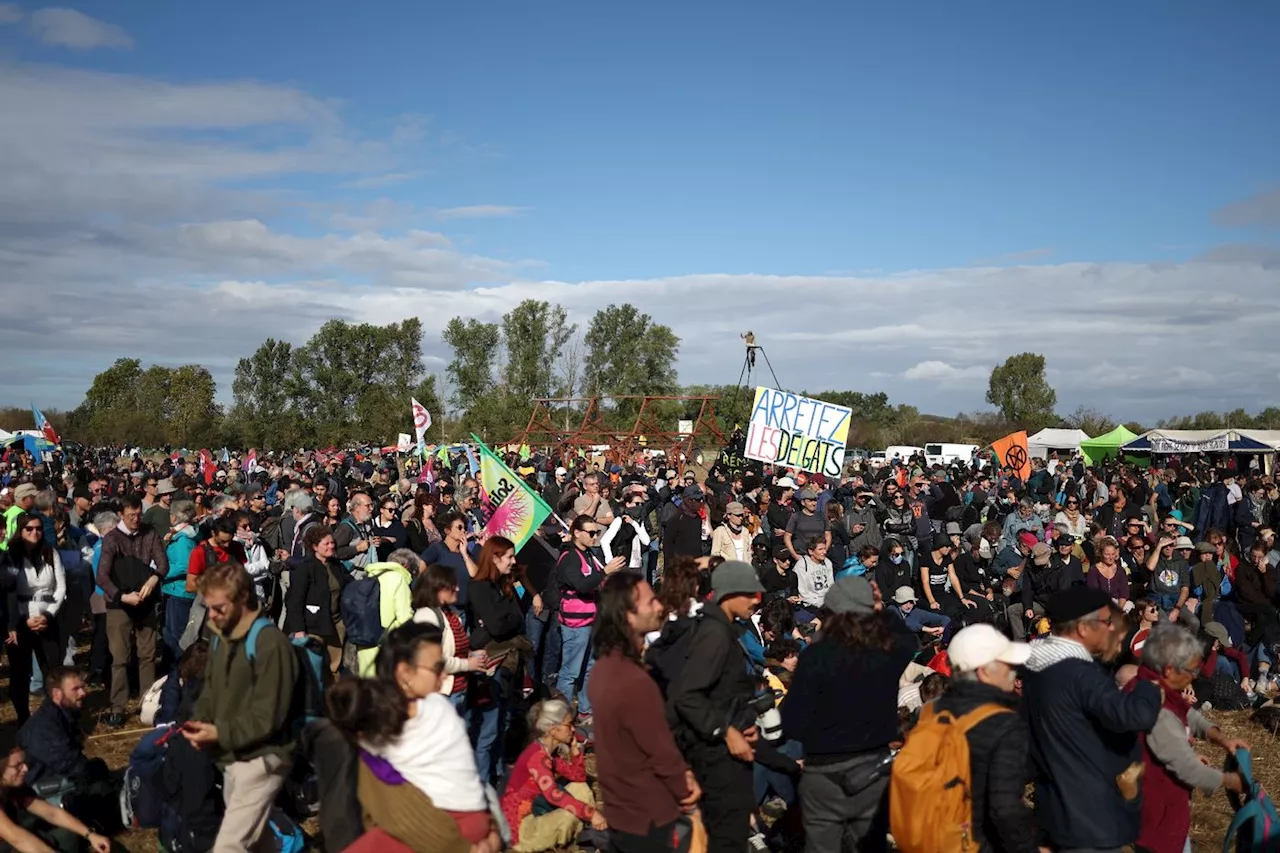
(978, 645)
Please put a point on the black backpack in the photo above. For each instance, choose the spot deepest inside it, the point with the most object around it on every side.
(667, 656)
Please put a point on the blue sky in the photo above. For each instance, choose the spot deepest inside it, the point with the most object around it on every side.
(862, 184)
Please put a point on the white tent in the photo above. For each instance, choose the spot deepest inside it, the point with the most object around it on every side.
(5, 436)
(1045, 440)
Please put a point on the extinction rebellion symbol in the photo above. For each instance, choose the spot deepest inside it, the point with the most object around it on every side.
(1015, 457)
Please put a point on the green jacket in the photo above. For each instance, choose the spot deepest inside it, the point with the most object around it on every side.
(10, 524)
(395, 606)
(249, 702)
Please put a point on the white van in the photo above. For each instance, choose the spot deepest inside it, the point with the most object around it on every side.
(945, 454)
(902, 452)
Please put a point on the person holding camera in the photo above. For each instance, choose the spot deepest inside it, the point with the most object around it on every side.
(712, 699)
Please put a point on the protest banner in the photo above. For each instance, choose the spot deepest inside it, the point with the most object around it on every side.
(510, 507)
(797, 432)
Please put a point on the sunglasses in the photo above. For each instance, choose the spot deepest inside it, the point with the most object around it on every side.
(33, 528)
(592, 533)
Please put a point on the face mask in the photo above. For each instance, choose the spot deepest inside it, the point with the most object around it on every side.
(896, 559)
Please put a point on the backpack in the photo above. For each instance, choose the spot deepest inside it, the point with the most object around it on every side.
(362, 612)
(1256, 825)
(930, 803)
(307, 703)
(142, 797)
(281, 834)
(667, 656)
(151, 701)
(359, 561)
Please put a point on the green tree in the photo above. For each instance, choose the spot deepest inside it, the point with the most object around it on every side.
(534, 333)
(192, 412)
(1021, 393)
(475, 347)
(262, 412)
(629, 354)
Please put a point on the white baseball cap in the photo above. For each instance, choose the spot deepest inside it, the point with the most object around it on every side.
(560, 472)
(978, 645)
(786, 483)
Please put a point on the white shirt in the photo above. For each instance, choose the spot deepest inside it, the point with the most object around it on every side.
(433, 753)
(40, 593)
(640, 540)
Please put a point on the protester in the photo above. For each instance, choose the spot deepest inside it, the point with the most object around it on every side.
(180, 544)
(435, 599)
(39, 592)
(842, 709)
(644, 780)
(242, 715)
(395, 598)
(131, 566)
(1171, 659)
(1084, 732)
(400, 717)
(543, 813)
(313, 603)
(31, 825)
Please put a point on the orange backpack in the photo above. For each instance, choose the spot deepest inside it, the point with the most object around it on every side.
(930, 801)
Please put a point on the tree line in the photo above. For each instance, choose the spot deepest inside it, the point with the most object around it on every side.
(352, 383)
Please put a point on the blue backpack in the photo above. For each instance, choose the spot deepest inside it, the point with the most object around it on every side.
(282, 835)
(1256, 826)
(362, 612)
(313, 665)
(141, 797)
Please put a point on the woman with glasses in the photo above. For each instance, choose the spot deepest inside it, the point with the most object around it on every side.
(413, 746)
(1071, 516)
(626, 535)
(388, 533)
(257, 560)
(435, 599)
(548, 799)
(575, 580)
(40, 590)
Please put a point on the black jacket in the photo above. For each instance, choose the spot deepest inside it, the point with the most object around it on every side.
(307, 604)
(1042, 583)
(494, 616)
(1083, 735)
(711, 691)
(844, 702)
(682, 538)
(54, 745)
(998, 746)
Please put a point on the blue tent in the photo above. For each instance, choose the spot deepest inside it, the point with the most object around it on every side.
(30, 443)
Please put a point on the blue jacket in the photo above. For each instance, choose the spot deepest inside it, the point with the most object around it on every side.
(179, 552)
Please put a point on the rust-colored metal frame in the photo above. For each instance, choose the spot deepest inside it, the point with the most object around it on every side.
(591, 430)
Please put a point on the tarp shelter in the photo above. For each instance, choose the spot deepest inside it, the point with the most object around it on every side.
(1045, 440)
(30, 443)
(5, 436)
(1205, 441)
(1106, 446)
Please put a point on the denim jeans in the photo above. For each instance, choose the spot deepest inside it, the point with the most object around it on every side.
(459, 703)
(177, 611)
(544, 664)
(489, 725)
(782, 785)
(575, 663)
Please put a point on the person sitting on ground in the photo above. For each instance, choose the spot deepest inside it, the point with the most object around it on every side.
(29, 824)
(52, 738)
(408, 732)
(554, 754)
(918, 619)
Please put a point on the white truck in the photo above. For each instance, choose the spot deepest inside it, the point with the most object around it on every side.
(945, 454)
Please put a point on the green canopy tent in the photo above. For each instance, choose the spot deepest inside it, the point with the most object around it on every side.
(1106, 446)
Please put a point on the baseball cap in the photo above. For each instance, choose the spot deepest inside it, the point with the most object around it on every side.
(692, 493)
(1040, 554)
(560, 472)
(786, 483)
(978, 645)
(734, 577)
(1027, 538)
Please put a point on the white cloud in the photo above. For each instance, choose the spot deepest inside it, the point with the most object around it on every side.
(10, 13)
(76, 30)
(940, 371)
(141, 218)
(384, 180)
(479, 211)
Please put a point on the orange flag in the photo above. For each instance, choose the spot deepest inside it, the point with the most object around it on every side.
(1012, 453)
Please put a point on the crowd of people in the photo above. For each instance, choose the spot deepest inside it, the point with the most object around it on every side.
(743, 659)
